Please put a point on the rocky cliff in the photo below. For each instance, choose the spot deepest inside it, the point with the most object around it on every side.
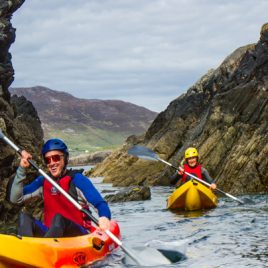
(224, 115)
(18, 118)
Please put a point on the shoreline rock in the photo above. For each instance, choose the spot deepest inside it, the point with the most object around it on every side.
(136, 193)
(89, 158)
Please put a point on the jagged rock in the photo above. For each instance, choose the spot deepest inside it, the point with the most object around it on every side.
(18, 118)
(136, 193)
(224, 115)
(89, 159)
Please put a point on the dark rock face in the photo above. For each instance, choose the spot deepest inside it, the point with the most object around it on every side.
(224, 115)
(136, 193)
(18, 118)
(28, 125)
(7, 37)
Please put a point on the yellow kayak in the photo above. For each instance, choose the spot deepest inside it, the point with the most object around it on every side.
(192, 195)
(64, 252)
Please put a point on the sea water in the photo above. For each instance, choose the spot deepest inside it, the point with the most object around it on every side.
(229, 236)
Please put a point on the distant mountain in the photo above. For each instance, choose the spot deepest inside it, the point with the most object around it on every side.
(86, 123)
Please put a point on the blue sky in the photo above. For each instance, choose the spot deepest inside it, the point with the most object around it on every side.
(147, 52)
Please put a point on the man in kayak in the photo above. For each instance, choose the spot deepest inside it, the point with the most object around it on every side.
(61, 217)
(193, 167)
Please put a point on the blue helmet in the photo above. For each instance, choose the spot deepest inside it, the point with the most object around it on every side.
(55, 144)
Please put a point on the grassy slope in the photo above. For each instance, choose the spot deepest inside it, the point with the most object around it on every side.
(90, 139)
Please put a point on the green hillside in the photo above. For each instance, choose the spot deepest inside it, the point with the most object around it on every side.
(85, 124)
(90, 140)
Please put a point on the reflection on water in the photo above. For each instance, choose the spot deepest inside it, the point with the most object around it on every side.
(191, 214)
(231, 235)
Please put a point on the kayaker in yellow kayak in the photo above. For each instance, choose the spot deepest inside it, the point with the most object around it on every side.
(61, 218)
(193, 167)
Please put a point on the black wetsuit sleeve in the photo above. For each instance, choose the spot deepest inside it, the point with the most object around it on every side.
(174, 178)
(206, 176)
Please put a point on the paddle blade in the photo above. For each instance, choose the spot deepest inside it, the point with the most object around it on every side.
(172, 255)
(148, 257)
(248, 201)
(143, 152)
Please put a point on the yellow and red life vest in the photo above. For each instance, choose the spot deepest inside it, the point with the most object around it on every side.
(196, 171)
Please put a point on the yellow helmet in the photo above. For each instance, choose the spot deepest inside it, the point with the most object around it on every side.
(190, 152)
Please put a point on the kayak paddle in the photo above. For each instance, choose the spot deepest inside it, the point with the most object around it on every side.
(157, 259)
(148, 154)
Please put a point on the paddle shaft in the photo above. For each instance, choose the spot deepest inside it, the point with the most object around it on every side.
(202, 181)
(148, 154)
(70, 198)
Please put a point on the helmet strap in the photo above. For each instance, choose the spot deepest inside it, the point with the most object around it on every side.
(66, 160)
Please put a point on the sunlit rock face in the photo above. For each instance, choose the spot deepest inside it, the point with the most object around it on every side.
(224, 115)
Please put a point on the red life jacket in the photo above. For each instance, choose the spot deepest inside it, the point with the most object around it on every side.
(55, 202)
(196, 171)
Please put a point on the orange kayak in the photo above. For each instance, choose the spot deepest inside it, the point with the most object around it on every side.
(56, 252)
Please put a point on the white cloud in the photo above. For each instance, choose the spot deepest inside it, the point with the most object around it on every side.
(143, 51)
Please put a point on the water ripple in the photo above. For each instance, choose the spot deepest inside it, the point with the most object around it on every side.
(229, 236)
